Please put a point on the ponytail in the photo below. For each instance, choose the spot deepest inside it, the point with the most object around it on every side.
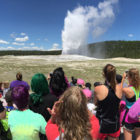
(110, 75)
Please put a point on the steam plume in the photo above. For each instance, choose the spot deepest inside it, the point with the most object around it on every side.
(81, 21)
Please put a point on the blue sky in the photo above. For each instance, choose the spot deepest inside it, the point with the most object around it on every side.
(38, 24)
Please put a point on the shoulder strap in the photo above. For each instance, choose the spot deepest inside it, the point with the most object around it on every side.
(137, 93)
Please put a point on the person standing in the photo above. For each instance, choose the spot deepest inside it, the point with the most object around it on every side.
(108, 98)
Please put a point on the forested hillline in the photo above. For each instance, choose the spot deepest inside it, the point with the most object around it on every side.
(29, 52)
(111, 49)
(106, 49)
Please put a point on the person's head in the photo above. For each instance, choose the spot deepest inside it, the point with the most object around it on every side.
(118, 78)
(134, 77)
(19, 76)
(6, 84)
(87, 93)
(8, 98)
(73, 80)
(39, 86)
(58, 82)
(20, 97)
(88, 85)
(1, 85)
(81, 83)
(109, 72)
(73, 115)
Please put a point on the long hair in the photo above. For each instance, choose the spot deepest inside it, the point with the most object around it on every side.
(109, 72)
(58, 82)
(20, 97)
(39, 86)
(133, 74)
(73, 115)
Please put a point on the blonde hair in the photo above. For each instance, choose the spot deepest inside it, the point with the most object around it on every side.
(133, 74)
(110, 75)
(73, 115)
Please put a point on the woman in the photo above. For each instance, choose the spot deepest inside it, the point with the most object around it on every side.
(41, 98)
(58, 82)
(132, 93)
(108, 98)
(19, 82)
(24, 123)
(72, 119)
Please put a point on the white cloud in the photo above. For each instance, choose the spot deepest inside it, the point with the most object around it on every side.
(32, 44)
(37, 48)
(3, 42)
(22, 39)
(13, 35)
(22, 34)
(84, 20)
(130, 35)
(18, 44)
(10, 48)
(55, 46)
(31, 48)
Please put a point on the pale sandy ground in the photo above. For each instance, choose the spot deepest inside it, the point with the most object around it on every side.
(90, 69)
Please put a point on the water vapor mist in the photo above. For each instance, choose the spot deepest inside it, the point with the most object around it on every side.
(81, 21)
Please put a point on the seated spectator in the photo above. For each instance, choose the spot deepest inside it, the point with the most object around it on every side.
(90, 105)
(9, 107)
(73, 81)
(81, 83)
(5, 87)
(9, 101)
(2, 111)
(19, 82)
(88, 85)
(71, 119)
(1, 89)
(41, 98)
(24, 123)
(58, 82)
(2, 116)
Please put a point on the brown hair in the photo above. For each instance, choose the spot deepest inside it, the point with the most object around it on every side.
(133, 74)
(19, 76)
(6, 84)
(73, 115)
(110, 74)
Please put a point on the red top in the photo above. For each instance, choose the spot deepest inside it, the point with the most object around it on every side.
(52, 131)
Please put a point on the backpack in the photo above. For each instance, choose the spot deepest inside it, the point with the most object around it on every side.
(134, 111)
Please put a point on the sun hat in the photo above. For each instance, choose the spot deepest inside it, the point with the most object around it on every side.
(87, 93)
(80, 82)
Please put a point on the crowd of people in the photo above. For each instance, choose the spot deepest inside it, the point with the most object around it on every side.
(57, 109)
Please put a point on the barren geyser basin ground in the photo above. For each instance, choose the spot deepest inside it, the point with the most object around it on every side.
(89, 69)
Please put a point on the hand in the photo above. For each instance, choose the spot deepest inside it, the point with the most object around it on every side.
(124, 75)
(54, 111)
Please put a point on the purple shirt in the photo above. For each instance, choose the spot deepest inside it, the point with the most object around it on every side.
(18, 83)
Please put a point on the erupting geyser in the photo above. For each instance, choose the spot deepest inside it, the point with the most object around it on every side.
(80, 22)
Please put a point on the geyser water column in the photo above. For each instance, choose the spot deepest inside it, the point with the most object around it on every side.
(74, 35)
(83, 21)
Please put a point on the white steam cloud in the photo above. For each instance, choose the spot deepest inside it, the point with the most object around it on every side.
(83, 20)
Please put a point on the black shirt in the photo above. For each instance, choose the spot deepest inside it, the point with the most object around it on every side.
(41, 108)
(108, 113)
